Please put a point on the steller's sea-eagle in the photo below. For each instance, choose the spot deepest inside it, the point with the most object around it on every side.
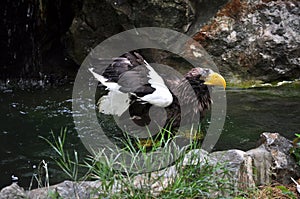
(135, 91)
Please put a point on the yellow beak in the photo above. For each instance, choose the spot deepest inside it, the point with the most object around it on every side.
(215, 79)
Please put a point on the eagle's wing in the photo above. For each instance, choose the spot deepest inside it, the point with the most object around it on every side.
(131, 77)
(136, 81)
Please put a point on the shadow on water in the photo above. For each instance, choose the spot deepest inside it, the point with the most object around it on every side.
(25, 115)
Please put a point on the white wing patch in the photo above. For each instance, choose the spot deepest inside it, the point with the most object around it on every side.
(112, 86)
(115, 103)
(162, 96)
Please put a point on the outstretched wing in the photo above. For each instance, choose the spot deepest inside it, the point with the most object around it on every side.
(130, 77)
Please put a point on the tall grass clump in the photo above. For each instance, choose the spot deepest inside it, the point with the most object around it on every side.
(118, 175)
(68, 164)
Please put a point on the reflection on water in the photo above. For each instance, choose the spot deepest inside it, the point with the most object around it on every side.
(27, 115)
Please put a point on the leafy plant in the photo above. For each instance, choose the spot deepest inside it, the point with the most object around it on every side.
(295, 151)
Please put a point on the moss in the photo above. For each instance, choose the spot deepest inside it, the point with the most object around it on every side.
(295, 84)
(244, 84)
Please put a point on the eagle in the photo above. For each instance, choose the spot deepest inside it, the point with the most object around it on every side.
(143, 99)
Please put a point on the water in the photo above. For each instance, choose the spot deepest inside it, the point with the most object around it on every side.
(251, 112)
(26, 115)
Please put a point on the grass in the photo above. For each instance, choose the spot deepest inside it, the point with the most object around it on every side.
(271, 192)
(119, 179)
(295, 150)
(200, 181)
(41, 177)
(68, 165)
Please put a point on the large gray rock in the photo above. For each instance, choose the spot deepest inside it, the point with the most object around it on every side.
(12, 191)
(67, 189)
(97, 21)
(272, 160)
(255, 40)
(175, 14)
(239, 164)
(236, 168)
(262, 161)
(100, 20)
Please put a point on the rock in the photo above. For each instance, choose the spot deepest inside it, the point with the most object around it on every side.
(40, 45)
(255, 40)
(68, 189)
(270, 160)
(273, 159)
(248, 40)
(158, 180)
(155, 13)
(262, 161)
(239, 164)
(99, 21)
(12, 191)
(92, 189)
(95, 22)
(196, 156)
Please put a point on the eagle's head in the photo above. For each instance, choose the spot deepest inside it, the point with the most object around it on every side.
(207, 76)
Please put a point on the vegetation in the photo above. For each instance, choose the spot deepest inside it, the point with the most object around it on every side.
(118, 180)
(296, 149)
(246, 84)
(65, 162)
(273, 191)
(276, 190)
(202, 180)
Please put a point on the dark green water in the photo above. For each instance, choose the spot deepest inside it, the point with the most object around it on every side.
(26, 115)
(253, 111)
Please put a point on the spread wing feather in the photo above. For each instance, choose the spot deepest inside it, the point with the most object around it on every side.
(131, 75)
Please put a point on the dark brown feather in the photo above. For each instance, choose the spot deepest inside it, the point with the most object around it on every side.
(189, 93)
